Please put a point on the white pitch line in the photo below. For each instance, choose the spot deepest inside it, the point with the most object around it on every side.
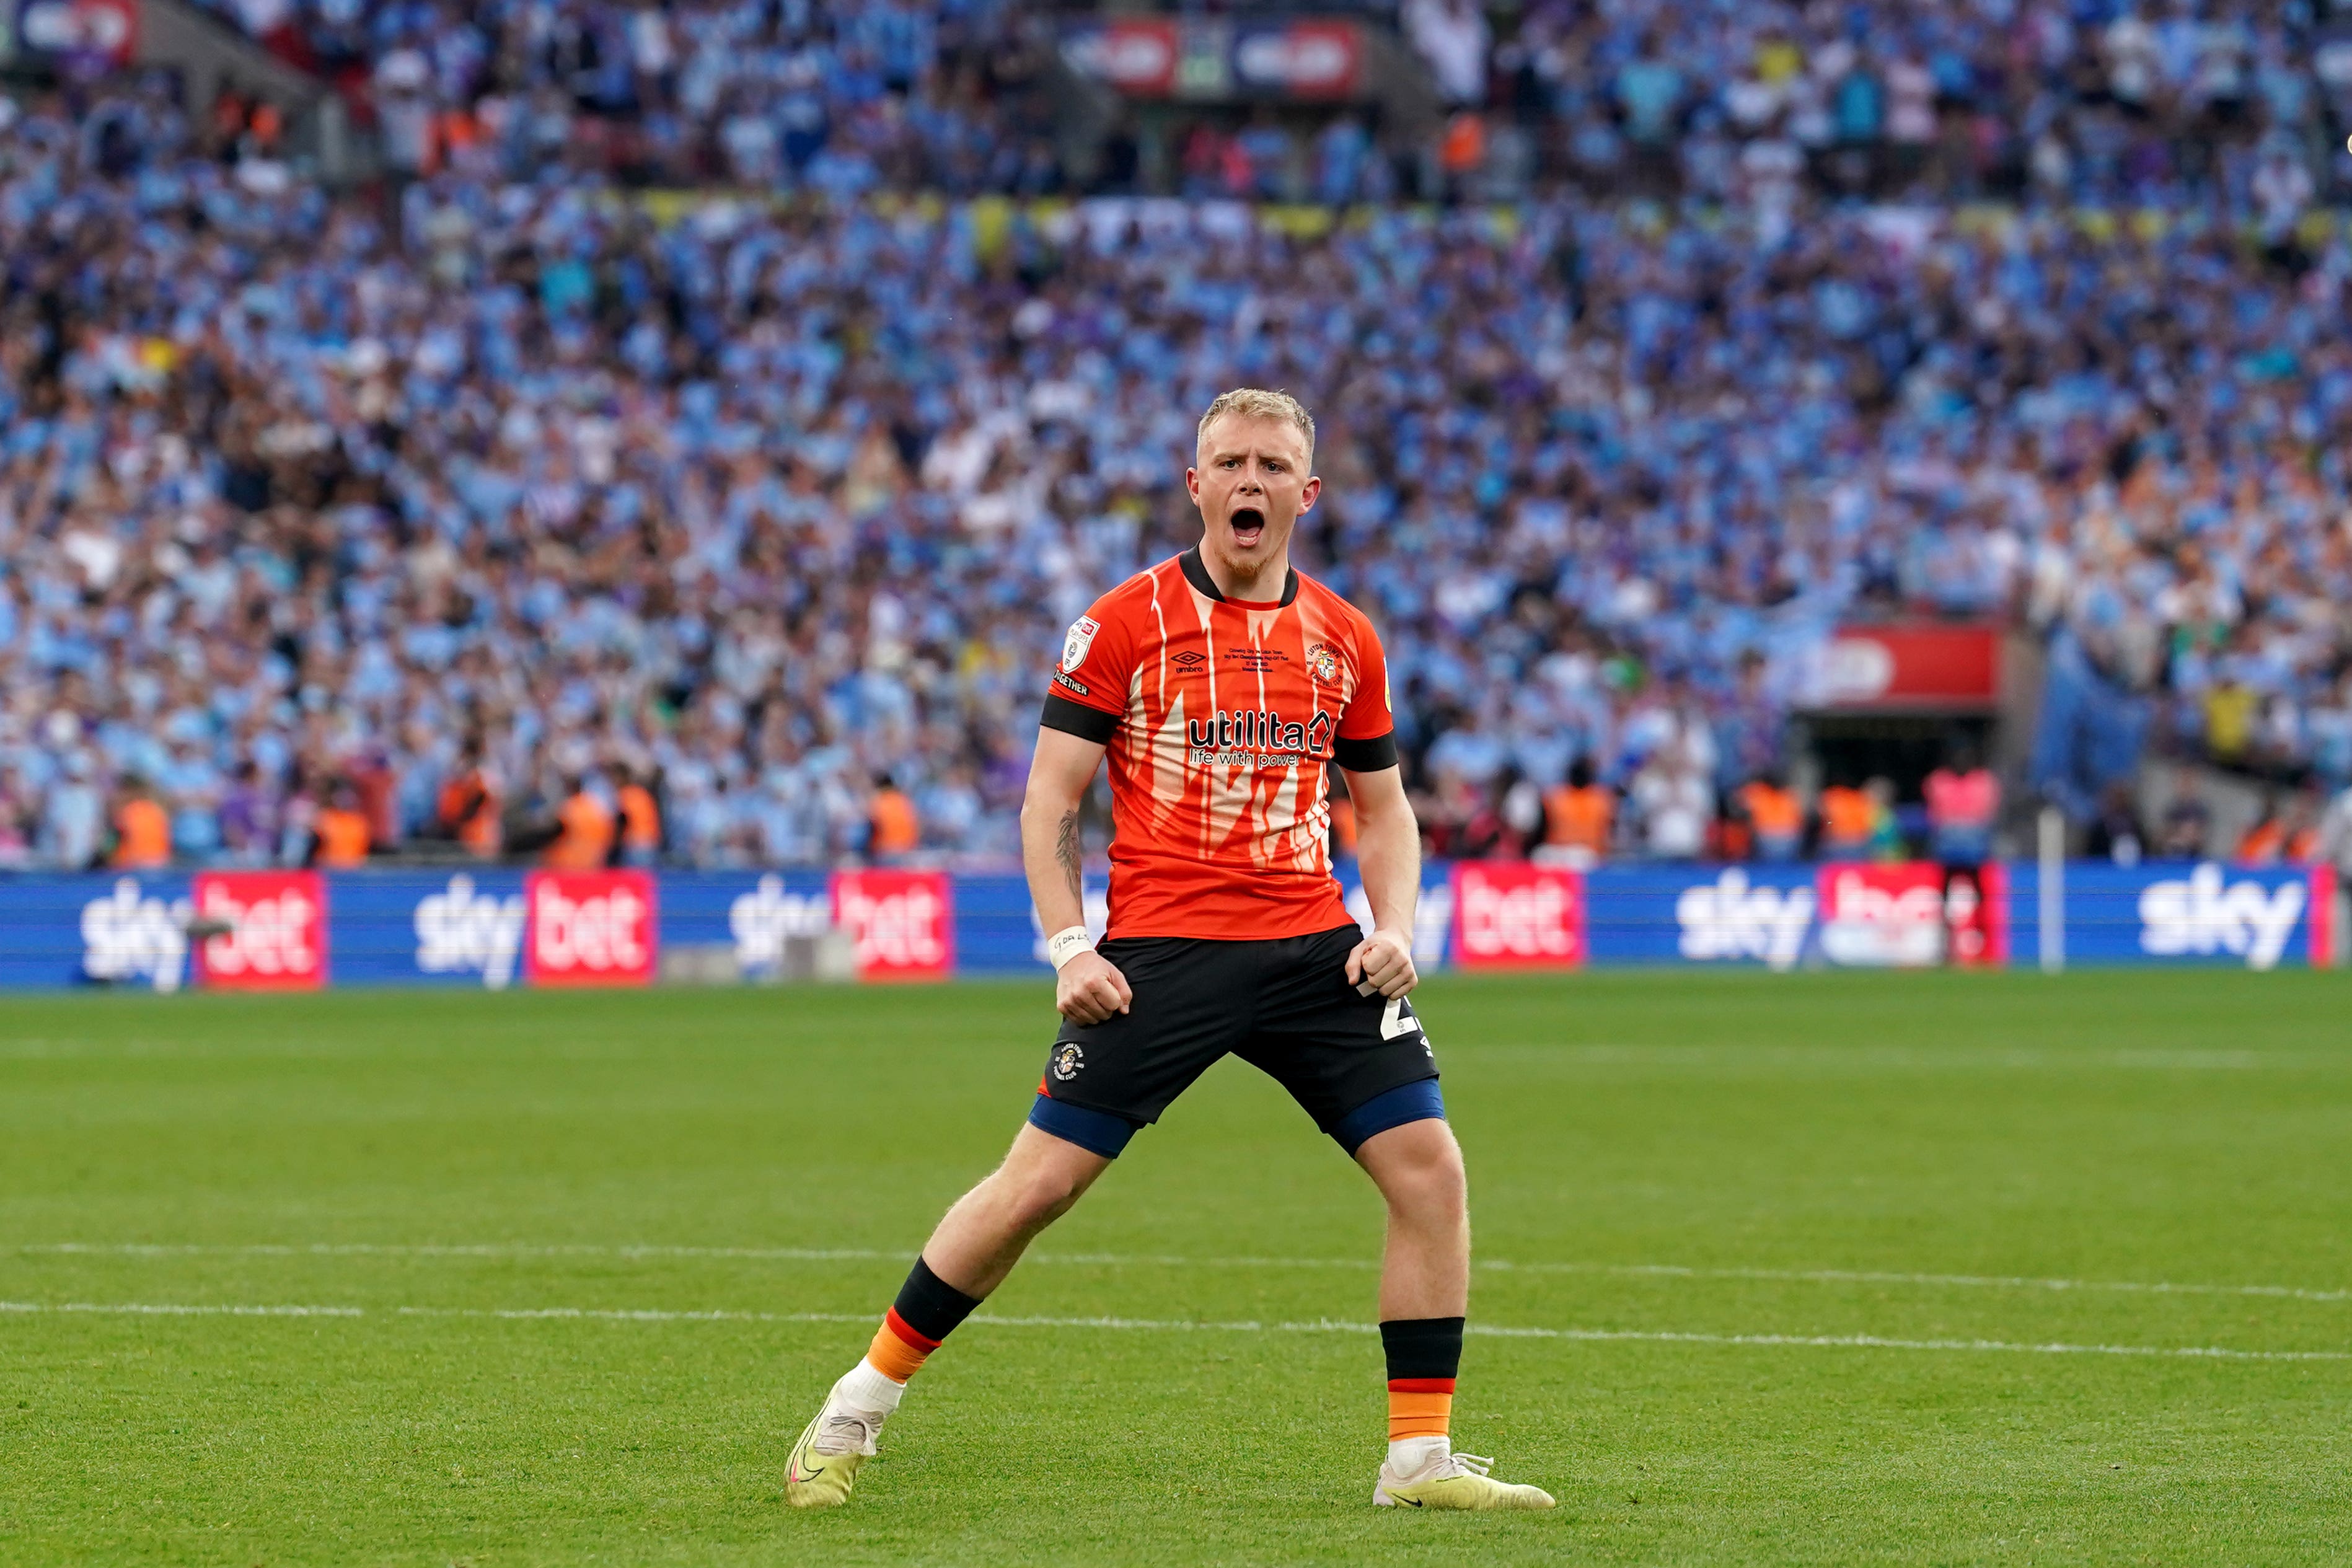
(1159, 1260)
(182, 1309)
(1176, 1325)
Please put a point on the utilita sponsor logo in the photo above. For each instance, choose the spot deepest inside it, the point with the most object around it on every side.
(1236, 739)
(462, 931)
(764, 919)
(126, 936)
(2203, 916)
(591, 928)
(1519, 914)
(276, 928)
(1728, 919)
(899, 922)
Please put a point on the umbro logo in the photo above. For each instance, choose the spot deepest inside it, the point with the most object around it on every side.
(1189, 661)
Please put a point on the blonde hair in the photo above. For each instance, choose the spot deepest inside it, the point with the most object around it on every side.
(1256, 403)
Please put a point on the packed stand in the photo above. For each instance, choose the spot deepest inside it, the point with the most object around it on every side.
(510, 518)
(2110, 103)
(940, 95)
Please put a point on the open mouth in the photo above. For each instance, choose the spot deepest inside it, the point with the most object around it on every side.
(1248, 524)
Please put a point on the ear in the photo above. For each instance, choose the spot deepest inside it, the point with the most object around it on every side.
(1193, 485)
(1307, 492)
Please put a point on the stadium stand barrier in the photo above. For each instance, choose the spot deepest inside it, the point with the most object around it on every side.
(492, 928)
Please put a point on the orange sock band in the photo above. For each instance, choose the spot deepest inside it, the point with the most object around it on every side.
(898, 1352)
(1420, 1406)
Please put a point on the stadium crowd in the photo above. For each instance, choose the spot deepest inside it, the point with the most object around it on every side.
(2141, 102)
(511, 511)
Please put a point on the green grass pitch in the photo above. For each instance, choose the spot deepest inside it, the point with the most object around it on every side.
(1828, 1268)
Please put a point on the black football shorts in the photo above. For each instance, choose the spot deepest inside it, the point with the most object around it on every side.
(1359, 1065)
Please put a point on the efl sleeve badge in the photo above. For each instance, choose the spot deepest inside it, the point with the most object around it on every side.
(1080, 638)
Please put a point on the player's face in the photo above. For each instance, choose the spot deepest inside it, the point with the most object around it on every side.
(1251, 486)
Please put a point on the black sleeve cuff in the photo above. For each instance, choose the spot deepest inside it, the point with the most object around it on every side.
(1078, 719)
(1368, 755)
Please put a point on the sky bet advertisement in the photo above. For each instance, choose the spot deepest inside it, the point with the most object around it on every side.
(492, 929)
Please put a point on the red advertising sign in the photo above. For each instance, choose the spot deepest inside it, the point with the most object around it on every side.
(1213, 59)
(93, 34)
(1925, 665)
(1902, 915)
(590, 927)
(275, 929)
(1304, 60)
(1508, 915)
(1136, 56)
(900, 923)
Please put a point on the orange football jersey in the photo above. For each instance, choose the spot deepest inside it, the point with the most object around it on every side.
(1220, 716)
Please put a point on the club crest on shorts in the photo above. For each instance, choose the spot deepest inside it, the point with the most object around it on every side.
(1068, 1057)
(1081, 638)
(1325, 663)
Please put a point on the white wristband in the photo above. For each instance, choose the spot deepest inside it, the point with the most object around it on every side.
(1066, 944)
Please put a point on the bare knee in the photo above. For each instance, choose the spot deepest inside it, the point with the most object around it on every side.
(1419, 1169)
(1437, 1190)
(1040, 1182)
(1035, 1199)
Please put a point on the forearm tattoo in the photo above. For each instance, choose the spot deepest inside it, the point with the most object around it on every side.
(1066, 851)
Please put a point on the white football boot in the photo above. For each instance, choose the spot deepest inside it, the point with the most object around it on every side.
(1455, 1480)
(824, 1463)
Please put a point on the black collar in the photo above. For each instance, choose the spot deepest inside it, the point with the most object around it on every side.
(1196, 572)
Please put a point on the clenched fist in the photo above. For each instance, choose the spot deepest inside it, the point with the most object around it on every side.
(1089, 988)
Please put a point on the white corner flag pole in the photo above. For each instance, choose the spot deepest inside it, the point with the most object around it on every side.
(2053, 889)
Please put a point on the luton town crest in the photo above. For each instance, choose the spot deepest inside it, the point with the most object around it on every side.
(1080, 638)
(1325, 663)
(1068, 1059)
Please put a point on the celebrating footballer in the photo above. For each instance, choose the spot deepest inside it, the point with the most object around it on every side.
(1221, 685)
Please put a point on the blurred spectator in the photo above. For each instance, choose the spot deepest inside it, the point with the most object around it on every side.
(1675, 803)
(1848, 822)
(640, 814)
(1963, 807)
(1520, 814)
(248, 828)
(1580, 814)
(584, 842)
(74, 819)
(467, 809)
(340, 834)
(2116, 834)
(1775, 817)
(1452, 38)
(2187, 823)
(143, 829)
(893, 832)
(2287, 833)
(1886, 825)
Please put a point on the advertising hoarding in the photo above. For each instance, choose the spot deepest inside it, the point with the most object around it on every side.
(495, 929)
